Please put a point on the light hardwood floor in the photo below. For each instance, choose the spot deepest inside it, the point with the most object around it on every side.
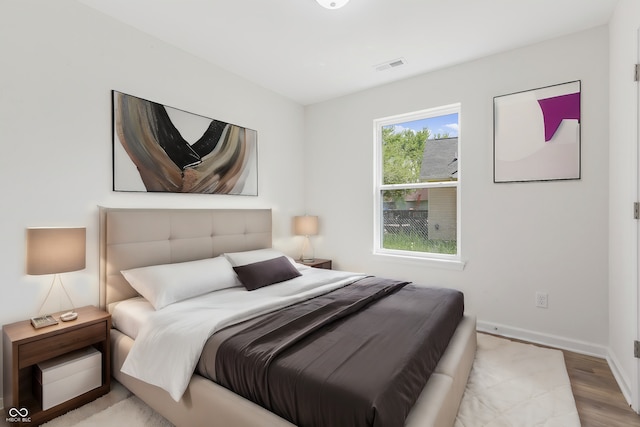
(598, 398)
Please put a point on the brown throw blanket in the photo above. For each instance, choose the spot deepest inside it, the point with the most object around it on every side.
(357, 356)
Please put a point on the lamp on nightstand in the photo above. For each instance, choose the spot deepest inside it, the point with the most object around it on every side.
(54, 251)
(306, 226)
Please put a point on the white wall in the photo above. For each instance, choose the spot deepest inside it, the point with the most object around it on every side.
(59, 62)
(623, 191)
(516, 238)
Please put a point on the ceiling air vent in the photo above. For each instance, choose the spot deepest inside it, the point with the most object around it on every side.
(390, 64)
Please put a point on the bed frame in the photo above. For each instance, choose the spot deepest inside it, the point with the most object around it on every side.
(132, 238)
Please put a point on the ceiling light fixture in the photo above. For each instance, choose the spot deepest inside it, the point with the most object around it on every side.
(332, 4)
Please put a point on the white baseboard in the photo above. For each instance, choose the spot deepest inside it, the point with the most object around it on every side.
(625, 387)
(563, 343)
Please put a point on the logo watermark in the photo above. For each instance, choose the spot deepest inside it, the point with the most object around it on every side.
(18, 415)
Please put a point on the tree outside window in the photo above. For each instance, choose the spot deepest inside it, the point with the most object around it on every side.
(417, 183)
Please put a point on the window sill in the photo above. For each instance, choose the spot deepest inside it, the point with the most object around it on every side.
(444, 263)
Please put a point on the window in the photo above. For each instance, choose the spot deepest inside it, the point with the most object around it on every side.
(417, 184)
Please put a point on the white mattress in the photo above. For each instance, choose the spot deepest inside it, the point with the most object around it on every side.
(129, 315)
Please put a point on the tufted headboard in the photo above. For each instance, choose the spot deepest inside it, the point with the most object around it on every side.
(132, 238)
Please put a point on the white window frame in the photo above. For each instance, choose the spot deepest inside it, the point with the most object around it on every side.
(434, 259)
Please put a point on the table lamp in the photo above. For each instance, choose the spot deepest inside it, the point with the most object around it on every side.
(55, 250)
(306, 226)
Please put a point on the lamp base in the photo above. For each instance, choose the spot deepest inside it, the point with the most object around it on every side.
(53, 282)
(307, 251)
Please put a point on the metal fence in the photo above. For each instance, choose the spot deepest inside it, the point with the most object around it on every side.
(413, 222)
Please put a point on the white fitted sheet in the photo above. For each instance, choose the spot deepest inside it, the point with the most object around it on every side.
(129, 315)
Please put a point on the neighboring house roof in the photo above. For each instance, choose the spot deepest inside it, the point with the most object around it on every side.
(440, 160)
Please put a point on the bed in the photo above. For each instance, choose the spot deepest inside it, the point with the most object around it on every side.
(133, 238)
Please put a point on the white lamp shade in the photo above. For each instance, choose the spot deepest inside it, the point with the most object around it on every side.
(305, 225)
(56, 250)
(332, 4)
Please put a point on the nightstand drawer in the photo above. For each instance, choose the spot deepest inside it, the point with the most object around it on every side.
(46, 348)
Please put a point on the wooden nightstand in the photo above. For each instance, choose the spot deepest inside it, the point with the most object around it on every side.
(25, 346)
(318, 263)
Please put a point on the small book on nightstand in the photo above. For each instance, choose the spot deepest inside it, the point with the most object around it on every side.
(42, 321)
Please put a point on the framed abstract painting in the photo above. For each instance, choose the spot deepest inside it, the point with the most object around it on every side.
(537, 134)
(157, 148)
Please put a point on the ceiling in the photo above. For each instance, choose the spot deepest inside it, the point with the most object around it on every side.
(310, 54)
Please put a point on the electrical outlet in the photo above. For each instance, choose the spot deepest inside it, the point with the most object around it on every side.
(542, 300)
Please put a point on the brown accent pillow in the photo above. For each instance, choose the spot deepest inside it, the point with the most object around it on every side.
(265, 273)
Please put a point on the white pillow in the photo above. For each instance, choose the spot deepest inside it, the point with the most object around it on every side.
(238, 259)
(165, 284)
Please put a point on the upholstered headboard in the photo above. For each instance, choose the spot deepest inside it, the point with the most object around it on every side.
(132, 238)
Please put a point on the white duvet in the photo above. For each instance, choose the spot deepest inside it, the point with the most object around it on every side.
(169, 343)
